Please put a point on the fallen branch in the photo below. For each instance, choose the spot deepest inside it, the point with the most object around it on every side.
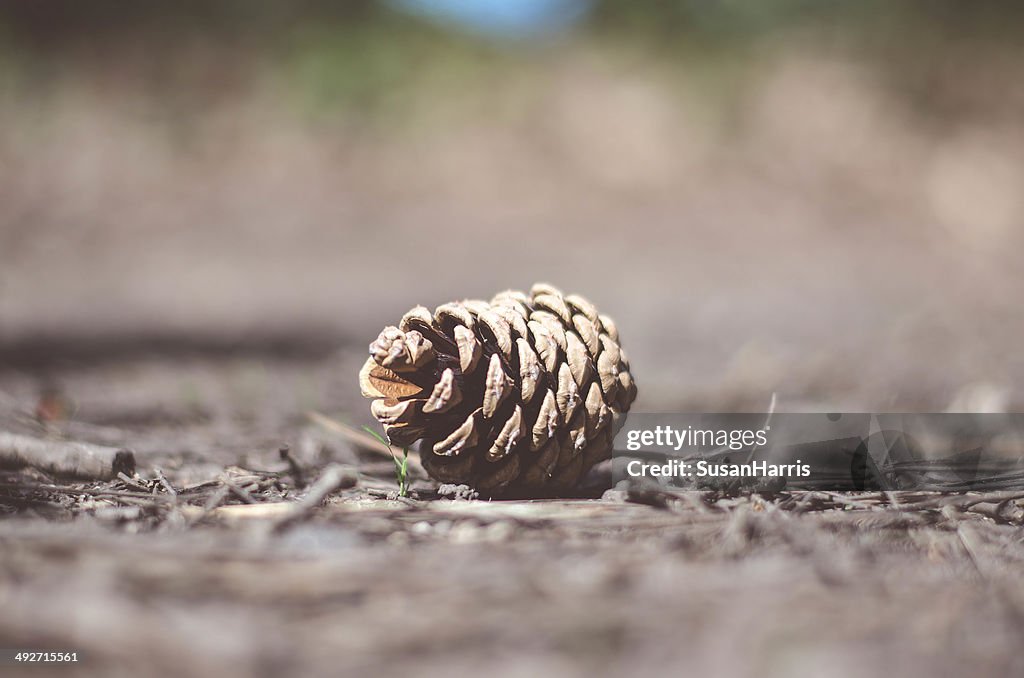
(65, 457)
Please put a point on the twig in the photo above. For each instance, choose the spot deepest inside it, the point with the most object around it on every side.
(73, 491)
(354, 435)
(293, 466)
(65, 457)
(131, 482)
(969, 539)
(365, 441)
(238, 491)
(166, 483)
(333, 478)
(215, 500)
(235, 512)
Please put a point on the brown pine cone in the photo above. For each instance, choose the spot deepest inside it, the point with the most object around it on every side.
(520, 396)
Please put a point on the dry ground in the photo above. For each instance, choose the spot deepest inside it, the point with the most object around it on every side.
(145, 583)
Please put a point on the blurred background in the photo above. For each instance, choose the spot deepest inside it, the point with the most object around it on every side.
(823, 199)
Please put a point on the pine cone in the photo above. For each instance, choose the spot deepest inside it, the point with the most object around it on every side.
(517, 397)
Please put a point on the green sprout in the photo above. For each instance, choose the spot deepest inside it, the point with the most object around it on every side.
(401, 467)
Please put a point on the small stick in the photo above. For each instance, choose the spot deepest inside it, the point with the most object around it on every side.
(73, 491)
(354, 435)
(65, 457)
(366, 442)
(238, 491)
(166, 483)
(335, 477)
(293, 466)
(130, 482)
(969, 539)
(215, 500)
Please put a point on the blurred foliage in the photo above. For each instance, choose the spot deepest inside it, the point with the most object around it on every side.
(369, 59)
(376, 69)
(737, 19)
(53, 22)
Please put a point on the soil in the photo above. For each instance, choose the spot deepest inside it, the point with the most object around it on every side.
(201, 582)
